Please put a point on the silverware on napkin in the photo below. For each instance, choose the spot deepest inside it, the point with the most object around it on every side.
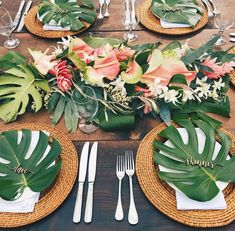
(21, 24)
(81, 180)
(18, 14)
(91, 180)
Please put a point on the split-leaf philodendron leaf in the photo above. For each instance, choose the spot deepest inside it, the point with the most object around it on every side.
(197, 173)
(67, 13)
(177, 11)
(35, 172)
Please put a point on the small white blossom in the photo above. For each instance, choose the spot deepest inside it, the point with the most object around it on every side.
(218, 84)
(187, 95)
(155, 87)
(214, 95)
(203, 90)
(202, 81)
(65, 42)
(170, 95)
(119, 85)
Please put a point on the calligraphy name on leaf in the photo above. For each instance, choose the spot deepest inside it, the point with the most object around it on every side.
(200, 163)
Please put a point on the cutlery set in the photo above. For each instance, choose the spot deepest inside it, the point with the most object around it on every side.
(126, 165)
(232, 37)
(81, 181)
(211, 8)
(101, 4)
(19, 18)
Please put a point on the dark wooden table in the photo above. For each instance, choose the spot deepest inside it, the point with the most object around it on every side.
(112, 143)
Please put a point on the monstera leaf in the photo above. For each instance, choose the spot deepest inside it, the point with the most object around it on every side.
(67, 13)
(17, 87)
(177, 11)
(18, 172)
(193, 173)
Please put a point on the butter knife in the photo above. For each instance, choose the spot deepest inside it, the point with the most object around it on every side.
(21, 24)
(18, 14)
(91, 180)
(81, 180)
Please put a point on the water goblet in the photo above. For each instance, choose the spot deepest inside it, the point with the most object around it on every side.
(130, 19)
(223, 21)
(85, 105)
(6, 28)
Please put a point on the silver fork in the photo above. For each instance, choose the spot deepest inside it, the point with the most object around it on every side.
(120, 172)
(130, 170)
(106, 14)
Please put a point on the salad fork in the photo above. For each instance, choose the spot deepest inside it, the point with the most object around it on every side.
(120, 172)
(130, 170)
(106, 14)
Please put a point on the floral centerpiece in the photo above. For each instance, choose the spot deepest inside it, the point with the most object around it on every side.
(173, 82)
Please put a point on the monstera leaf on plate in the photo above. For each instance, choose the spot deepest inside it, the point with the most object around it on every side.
(17, 86)
(67, 13)
(177, 11)
(193, 173)
(18, 172)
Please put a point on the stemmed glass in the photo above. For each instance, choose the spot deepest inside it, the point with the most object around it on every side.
(223, 21)
(130, 19)
(6, 28)
(85, 106)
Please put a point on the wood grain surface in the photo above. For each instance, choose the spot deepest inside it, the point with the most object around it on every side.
(112, 143)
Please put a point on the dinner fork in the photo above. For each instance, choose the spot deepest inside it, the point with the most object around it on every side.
(101, 3)
(120, 172)
(130, 170)
(106, 14)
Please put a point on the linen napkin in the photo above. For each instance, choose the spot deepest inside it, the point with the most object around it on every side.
(182, 201)
(53, 25)
(26, 202)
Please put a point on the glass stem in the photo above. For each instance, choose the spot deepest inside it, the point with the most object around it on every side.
(221, 31)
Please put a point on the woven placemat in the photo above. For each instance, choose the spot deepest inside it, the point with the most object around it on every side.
(34, 26)
(57, 193)
(162, 196)
(232, 74)
(151, 22)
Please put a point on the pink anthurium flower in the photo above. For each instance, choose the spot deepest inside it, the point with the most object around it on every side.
(107, 66)
(164, 67)
(42, 61)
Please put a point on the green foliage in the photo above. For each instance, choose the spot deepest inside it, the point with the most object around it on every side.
(177, 11)
(66, 13)
(19, 88)
(59, 105)
(35, 173)
(196, 181)
(11, 59)
(96, 42)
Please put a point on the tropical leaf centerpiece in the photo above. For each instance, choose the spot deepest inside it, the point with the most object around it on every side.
(66, 13)
(177, 11)
(194, 173)
(19, 169)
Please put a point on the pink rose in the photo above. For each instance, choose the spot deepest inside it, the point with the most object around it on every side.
(63, 83)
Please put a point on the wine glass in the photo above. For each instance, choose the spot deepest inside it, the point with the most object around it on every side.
(85, 106)
(223, 21)
(6, 28)
(130, 19)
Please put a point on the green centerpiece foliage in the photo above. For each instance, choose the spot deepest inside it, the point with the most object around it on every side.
(177, 11)
(67, 13)
(35, 172)
(195, 174)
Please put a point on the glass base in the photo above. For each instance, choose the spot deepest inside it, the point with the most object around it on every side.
(87, 126)
(131, 37)
(221, 41)
(11, 43)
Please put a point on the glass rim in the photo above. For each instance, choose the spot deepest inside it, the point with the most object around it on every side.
(90, 98)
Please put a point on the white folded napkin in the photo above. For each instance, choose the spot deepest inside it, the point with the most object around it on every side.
(26, 202)
(182, 201)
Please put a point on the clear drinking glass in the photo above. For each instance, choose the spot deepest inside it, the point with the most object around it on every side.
(223, 21)
(130, 19)
(6, 28)
(85, 106)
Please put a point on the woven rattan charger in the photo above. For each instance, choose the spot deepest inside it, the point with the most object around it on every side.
(151, 22)
(232, 75)
(54, 197)
(34, 26)
(162, 196)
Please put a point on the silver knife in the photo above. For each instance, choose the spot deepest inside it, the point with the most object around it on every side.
(91, 180)
(81, 180)
(18, 14)
(21, 24)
